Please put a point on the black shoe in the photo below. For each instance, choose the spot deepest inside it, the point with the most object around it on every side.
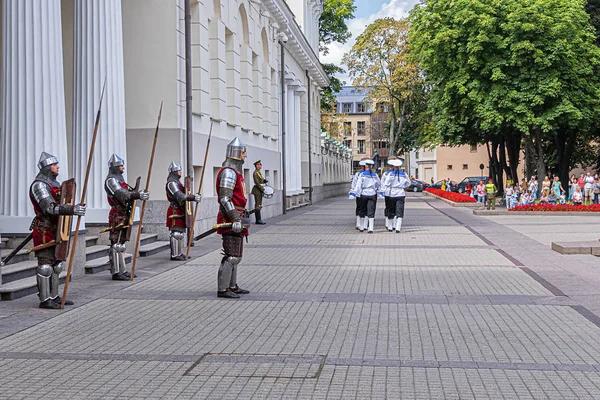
(180, 257)
(119, 277)
(50, 305)
(370, 232)
(357, 228)
(259, 222)
(239, 290)
(128, 275)
(228, 294)
(58, 300)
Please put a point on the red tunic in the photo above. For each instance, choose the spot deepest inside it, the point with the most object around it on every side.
(175, 214)
(239, 200)
(44, 227)
(118, 212)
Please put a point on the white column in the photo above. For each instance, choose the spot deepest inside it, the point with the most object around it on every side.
(300, 91)
(98, 57)
(33, 103)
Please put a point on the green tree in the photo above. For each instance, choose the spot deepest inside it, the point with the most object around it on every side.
(332, 23)
(333, 28)
(379, 61)
(509, 69)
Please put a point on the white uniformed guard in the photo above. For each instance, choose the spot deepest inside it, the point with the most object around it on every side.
(359, 201)
(367, 185)
(393, 185)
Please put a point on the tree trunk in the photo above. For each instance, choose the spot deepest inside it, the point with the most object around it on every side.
(539, 149)
(392, 138)
(400, 126)
(565, 146)
(530, 157)
(502, 167)
(513, 149)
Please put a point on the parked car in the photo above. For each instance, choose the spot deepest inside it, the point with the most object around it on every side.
(416, 186)
(461, 186)
(438, 185)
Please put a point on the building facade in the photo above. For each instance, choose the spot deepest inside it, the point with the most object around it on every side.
(255, 75)
(456, 163)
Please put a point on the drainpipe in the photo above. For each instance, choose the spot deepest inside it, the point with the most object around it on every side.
(310, 186)
(283, 171)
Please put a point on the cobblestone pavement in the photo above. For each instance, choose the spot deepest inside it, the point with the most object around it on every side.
(456, 306)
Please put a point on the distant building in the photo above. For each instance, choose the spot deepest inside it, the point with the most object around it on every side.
(362, 125)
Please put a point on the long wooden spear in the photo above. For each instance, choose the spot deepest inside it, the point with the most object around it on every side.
(139, 235)
(191, 232)
(82, 202)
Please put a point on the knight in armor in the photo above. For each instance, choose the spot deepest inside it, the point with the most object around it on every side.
(393, 185)
(121, 198)
(232, 198)
(45, 194)
(351, 195)
(385, 192)
(367, 186)
(258, 190)
(176, 215)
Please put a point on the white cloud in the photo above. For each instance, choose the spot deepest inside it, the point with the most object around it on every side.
(395, 8)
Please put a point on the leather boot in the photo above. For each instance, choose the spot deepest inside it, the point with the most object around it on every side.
(259, 220)
(228, 294)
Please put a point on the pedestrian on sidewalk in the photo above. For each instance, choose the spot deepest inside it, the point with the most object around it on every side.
(45, 196)
(231, 195)
(360, 204)
(176, 214)
(480, 190)
(395, 184)
(367, 186)
(588, 188)
(490, 190)
(258, 190)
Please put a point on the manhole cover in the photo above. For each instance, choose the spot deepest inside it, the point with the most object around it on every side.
(258, 366)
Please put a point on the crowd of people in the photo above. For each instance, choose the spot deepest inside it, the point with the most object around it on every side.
(584, 190)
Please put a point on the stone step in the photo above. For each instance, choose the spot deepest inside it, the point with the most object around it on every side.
(23, 287)
(147, 238)
(14, 272)
(19, 257)
(153, 248)
(3, 242)
(96, 251)
(91, 240)
(102, 264)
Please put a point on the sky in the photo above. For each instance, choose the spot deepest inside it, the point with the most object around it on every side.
(366, 12)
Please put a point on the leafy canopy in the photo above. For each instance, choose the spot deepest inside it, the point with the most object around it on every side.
(515, 65)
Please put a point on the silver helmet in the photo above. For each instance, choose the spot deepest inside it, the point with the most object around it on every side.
(46, 159)
(173, 167)
(115, 161)
(235, 149)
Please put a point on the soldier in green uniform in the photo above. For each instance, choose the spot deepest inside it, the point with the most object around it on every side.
(258, 190)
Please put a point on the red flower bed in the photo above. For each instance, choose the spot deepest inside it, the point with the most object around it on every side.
(452, 196)
(558, 208)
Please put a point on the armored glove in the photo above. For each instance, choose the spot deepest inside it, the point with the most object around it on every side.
(144, 195)
(350, 196)
(237, 226)
(79, 210)
(267, 179)
(194, 197)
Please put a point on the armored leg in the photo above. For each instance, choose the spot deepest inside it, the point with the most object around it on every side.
(177, 246)
(358, 223)
(364, 224)
(225, 273)
(227, 277)
(55, 280)
(121, 255)
(44, 273)
(113, 258)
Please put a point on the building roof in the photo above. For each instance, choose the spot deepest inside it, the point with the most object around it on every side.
(350, 94)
